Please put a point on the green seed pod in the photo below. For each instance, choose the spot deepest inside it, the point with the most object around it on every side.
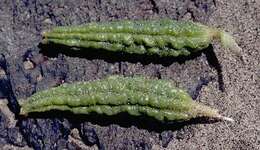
(112, 95)
(163, 37)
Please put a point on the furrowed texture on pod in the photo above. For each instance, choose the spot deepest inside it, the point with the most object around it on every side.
(163, 37)
(115, 94)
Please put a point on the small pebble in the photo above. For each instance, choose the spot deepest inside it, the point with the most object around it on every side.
(28, 65)
(2, 73)
(39, 78)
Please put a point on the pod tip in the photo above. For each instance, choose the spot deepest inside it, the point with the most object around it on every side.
(44, 36)
(229, 42)
(225, 118)
(23, 113)
(43, 33)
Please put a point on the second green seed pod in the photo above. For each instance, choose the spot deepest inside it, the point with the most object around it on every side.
(164, 37)
(110, 96)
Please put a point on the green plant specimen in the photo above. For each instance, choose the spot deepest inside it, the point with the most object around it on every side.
(115, 94)
(164, 37)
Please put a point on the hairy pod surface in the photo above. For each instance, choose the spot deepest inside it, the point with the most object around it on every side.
(116, 94)
(164, 37)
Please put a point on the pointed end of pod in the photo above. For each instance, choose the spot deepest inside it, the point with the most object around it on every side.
(43, 33)
(23, 112)
(44, 36)
(200, 110)
(219, 117)
(223, 118)
(229, 42)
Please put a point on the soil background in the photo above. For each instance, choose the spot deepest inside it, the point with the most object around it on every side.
(215, 77)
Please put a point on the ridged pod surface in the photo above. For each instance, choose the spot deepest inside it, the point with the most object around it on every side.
(115, 94)
(164, 37)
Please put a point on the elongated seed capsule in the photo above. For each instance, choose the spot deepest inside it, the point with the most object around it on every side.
(163, 37)
(115, 94)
